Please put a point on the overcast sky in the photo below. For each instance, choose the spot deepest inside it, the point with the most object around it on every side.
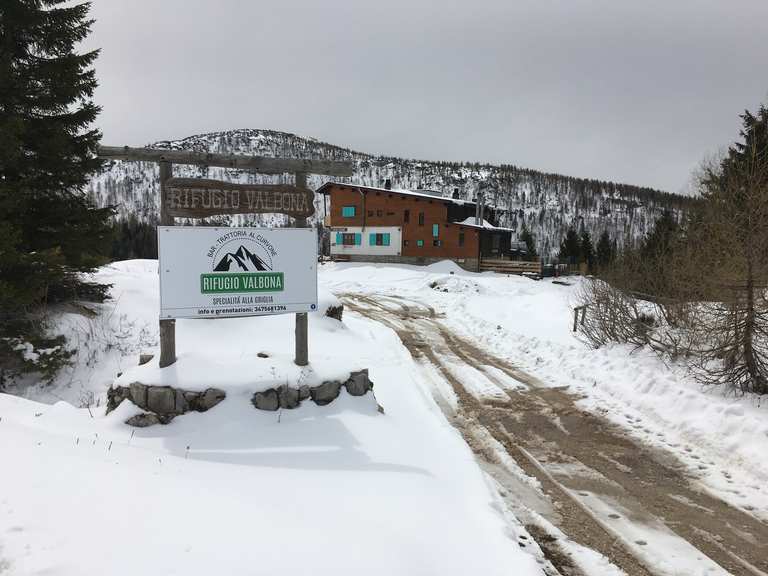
(626, 90)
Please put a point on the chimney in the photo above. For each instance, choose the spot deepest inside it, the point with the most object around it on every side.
(388, 184)
(479, 207)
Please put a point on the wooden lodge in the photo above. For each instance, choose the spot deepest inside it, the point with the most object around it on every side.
(384, 225)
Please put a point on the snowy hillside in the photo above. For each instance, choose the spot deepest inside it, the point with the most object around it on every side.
(547, 203)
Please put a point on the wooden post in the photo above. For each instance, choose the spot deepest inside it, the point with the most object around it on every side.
(576, 310)
(302, 325)
(167, 326)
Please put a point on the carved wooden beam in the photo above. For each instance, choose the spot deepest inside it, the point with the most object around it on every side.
(200, 198)
(256, 163)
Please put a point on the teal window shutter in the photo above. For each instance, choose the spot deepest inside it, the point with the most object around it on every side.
(419, 242)
(339, 238)
(435, 230)
(372, 239)
(348, 211)
(385, 239)
(358, 239)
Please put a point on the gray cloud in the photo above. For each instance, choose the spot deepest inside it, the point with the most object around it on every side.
(628, 91)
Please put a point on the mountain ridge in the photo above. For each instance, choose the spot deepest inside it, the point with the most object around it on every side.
(547, 203)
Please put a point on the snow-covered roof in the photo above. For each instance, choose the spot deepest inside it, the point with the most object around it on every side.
(485, 225)
(472, 221)
(425, 194)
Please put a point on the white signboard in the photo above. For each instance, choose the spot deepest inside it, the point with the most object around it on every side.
(226, 272)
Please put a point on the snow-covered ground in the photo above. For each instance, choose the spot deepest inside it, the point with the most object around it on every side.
(722, 439)
(340, 489)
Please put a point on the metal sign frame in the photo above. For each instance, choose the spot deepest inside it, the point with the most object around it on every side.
(212, 272)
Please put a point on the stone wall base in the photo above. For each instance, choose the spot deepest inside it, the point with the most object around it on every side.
(163, 402)
(358, 384)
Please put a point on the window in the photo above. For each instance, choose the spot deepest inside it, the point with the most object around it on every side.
(407, 216)
(461, 238)
(348, 239)
(436, 242)
(419, 243)
(406, 243)
(348, 211)
(421, 218)
(435, 230)
(379, 213)
(376, 239)
(390, 213)
(370, 212)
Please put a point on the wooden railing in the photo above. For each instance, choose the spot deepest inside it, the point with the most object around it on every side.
(510, 267)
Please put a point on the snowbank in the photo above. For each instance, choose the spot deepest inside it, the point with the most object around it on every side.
(339, 489)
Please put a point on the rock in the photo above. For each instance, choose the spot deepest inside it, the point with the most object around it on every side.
(115, 396)
(326, 393)
(335, 312)
(267, 400)
(358, 383)
(161, 399)
(164, 401)
(262, 355)
(144, 358)
(181, 402)
(288, 397)
(138, 393)
(143, 420)
(303, 392)
(209, 399)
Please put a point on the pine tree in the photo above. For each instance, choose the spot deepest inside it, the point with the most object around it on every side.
(49, 231)
(570, 248)
(530, 244)
(660, 240)
(731, 239)
(605, 251)
(587, 250)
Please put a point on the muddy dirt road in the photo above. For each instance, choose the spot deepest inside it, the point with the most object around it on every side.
(632, 503)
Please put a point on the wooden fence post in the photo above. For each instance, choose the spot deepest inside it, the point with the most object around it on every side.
(302, 324)
(167, 326)
(576, 310)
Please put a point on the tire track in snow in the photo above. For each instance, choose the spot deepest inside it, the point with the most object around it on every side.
(605, 486)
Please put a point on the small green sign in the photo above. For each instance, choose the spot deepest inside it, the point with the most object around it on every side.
(241, 282)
